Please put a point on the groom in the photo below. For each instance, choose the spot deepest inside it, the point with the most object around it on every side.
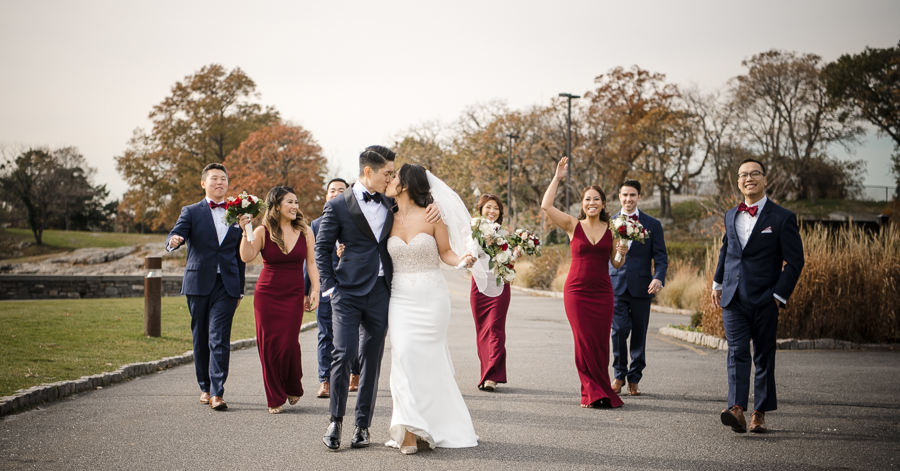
(759, 265)
(359, 286)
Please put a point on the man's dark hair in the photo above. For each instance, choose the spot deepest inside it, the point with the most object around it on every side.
(346, 185)
(216, 166)
(383, 151)
(632, 183)
(763, 167)
(371, 159)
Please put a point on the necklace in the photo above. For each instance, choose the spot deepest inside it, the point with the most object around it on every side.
(406, 216)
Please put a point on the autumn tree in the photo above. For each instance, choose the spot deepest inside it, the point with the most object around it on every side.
(205, 118)
(280, 155)
(787, 119)
(870, 83)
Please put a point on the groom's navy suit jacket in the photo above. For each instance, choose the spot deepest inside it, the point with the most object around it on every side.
(769, 264)
(637, 273)
(357, 270)
(204, 253)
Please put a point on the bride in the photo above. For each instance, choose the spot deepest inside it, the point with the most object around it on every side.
(428, 407)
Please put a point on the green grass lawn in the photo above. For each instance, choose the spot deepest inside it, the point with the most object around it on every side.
(63, 241)
(55, 340)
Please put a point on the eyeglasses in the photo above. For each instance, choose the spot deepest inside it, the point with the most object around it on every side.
(754, 175)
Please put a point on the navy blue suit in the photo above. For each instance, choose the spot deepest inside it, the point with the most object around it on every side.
(212, 297)
(632, 308)
(770, 264)
(360, 299)
(323, 320)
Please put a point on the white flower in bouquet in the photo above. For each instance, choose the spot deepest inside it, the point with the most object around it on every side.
(509, 277)
(246, 202)
(503, 257)
(518, 252)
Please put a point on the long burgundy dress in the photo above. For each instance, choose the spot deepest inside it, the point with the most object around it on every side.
(490, 325)
(588, 297)
(278, 308)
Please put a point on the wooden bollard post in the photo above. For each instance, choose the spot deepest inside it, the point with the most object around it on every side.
(153, 296)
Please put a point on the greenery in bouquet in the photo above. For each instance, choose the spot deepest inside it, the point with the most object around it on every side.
(493, 240)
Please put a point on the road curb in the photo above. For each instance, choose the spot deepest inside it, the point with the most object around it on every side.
(557, 294)
(35, 395)
(719, 343)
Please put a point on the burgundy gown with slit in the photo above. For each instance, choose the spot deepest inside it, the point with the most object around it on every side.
(278, 308)
(588, 297)
(490, 325)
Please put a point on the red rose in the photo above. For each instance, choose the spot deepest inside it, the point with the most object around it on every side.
(236, 202)
(537, 242)
(623, 230)
(504, 247)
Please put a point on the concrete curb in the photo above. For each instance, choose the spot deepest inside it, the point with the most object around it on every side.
(53, 391)
(718, 343)
(557, 294)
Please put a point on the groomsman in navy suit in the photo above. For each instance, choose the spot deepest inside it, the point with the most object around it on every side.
(634, 285)
(759, 265)
(213, 281)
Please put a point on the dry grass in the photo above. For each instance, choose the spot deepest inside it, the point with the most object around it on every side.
(544, 272)
(849, 288)
(684, 287)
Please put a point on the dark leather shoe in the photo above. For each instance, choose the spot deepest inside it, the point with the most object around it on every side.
(354, 383)
(633, 389)
(332, 436)
(617, 386)
(204, 398)
(217, 403)
(758, 422)
(360, 438)
(324, 390)
(734, 418)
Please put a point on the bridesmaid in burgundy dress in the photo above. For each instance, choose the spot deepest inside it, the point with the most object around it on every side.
(490, 314)
(285, 241)
(588, 295)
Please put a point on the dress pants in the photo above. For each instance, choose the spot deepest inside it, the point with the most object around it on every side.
(326, 341)
(211, 318)
(744, 323)
(630, 316)
(356, 317)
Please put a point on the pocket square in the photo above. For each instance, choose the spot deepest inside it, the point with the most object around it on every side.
(767, 230)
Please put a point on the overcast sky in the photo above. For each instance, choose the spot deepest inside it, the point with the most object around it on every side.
(355, 73)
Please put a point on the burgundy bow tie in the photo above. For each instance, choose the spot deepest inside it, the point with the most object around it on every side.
(750, 209)
(634, 216)
(213, 205)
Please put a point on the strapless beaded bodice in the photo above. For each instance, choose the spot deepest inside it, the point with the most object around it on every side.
(419, 256)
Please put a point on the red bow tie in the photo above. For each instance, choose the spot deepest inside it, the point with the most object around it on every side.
(634, 216)
(213, 205)
(750, 209)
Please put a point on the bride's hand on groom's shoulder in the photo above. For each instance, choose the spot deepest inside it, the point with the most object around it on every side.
(432, 214)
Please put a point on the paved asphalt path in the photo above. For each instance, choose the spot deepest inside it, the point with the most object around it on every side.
(838, 410)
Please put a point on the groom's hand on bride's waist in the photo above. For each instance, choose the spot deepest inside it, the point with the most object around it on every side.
(432, 213)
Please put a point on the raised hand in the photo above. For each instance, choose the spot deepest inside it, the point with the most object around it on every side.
(561, 168)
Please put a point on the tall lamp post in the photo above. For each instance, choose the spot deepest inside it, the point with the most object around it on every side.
(509, 173)
(569, 144)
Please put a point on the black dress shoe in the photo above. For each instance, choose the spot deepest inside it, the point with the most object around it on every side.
(332, 436)
(360, 438)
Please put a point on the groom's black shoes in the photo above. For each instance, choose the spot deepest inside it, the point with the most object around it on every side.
(360, 438)
(332, 436)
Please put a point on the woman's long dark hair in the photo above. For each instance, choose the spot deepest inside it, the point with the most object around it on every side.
(414, 180)
(604, 216)
(270, 220)
(496, 199)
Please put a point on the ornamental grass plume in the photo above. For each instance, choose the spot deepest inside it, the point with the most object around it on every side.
(849, 288)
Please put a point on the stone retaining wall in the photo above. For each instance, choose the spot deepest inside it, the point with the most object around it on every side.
(780, 344)
(77, 287)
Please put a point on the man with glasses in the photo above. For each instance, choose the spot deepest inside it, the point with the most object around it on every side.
(759, 265)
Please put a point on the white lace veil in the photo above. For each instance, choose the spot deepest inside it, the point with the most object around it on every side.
(458, 221)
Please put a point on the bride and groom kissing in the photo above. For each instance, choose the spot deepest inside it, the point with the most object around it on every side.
(389, 274)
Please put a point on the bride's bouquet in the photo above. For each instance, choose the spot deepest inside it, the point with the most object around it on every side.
(243, 204)
(525, 242)
(628, 229)
(493, 240)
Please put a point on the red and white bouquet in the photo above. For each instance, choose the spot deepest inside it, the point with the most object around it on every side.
(493, 240)
(628, 229)
(243, 204)
(526, 242)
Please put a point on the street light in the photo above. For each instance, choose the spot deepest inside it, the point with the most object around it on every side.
(569, 144)
(509, 173)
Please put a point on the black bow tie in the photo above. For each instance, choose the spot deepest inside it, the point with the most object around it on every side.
(376, 197)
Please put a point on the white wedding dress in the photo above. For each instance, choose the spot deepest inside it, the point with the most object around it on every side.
(426, 398)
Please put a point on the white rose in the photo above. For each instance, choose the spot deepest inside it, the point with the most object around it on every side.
(510, 276)
(245, 203)
(630, 230)
(502, 257)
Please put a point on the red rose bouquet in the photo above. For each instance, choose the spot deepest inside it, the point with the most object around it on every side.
(243, 204)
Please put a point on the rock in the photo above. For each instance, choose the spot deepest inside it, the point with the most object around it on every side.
(824, 344)
(804, 345)
(784, 344)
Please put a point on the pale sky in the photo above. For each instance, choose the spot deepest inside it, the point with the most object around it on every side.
(356, 73)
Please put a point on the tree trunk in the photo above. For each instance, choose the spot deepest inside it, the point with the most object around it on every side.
(665, 203)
